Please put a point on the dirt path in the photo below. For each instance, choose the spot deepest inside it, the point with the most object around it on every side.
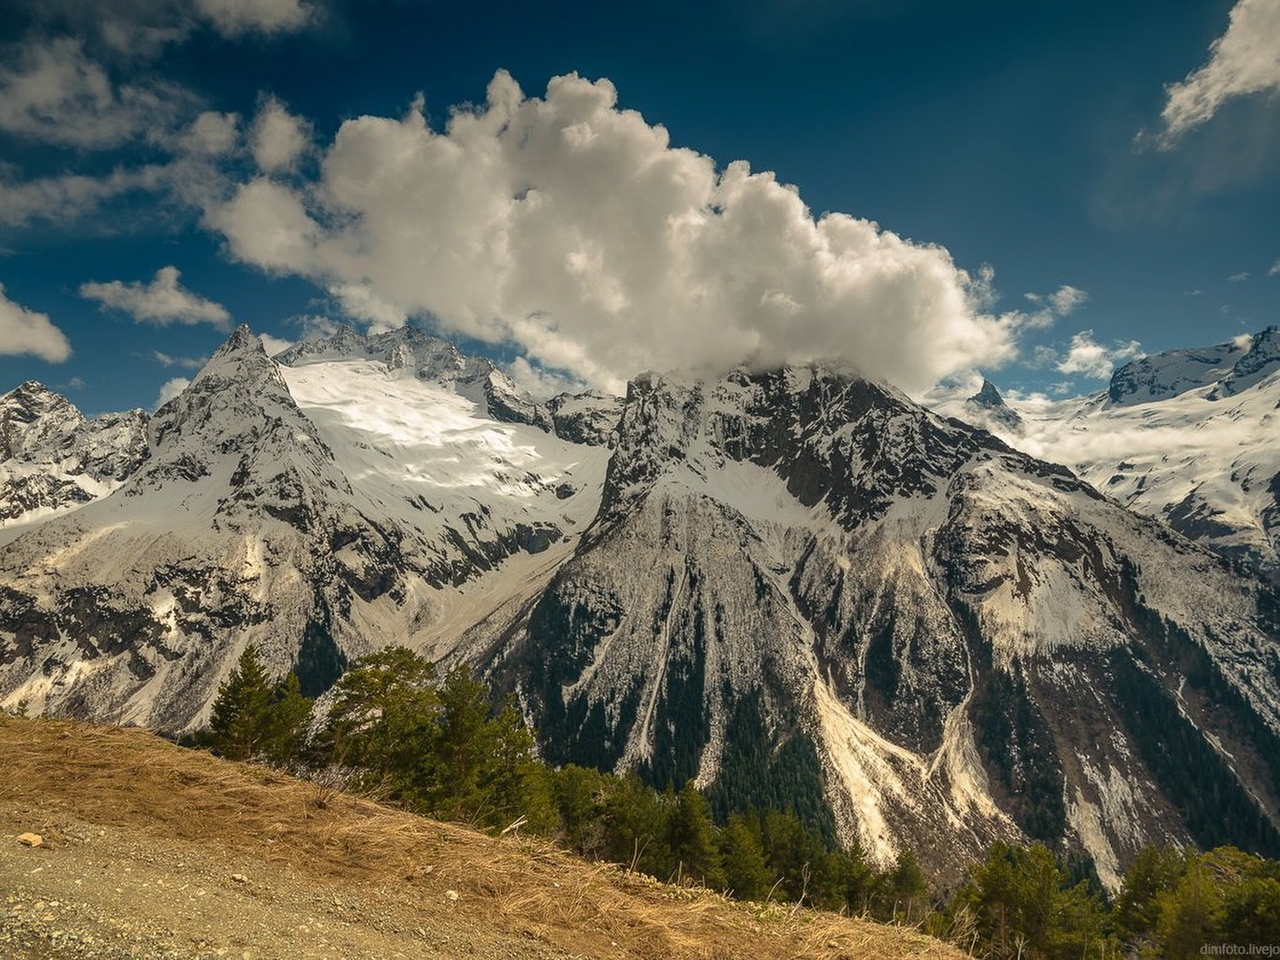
(111, 892)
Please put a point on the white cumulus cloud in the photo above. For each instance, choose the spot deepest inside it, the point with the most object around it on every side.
(1089, 358)
(1243, 61)
(1066, 299)
(541, 383)
(170, 389)
(186, 363)
(64, 197)
(273, 345)
(1060, 303)
(278, 138)
(25, 331)
(162, 301)
(575, 231)
(211, 134)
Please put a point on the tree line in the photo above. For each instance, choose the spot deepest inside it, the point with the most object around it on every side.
(437, 745)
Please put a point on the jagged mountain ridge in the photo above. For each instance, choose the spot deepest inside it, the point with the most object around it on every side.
(243, 525)
(52, 458)
(793, 585)
(1185, 435)
(943, 625)
(988, 404)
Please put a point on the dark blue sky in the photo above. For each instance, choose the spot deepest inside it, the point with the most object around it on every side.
(1004, 132)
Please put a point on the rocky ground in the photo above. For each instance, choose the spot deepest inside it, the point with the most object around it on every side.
(114, 892)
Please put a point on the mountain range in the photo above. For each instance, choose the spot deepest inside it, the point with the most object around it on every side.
(1185, 435)
(795, 587)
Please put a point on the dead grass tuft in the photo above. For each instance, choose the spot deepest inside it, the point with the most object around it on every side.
(131, 778)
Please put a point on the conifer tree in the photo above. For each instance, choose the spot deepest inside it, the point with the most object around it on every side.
(1137, 908)
(517, 786)
(742, 854)
(633, 821)
(690, 838)
(579, 794)
(289, 717)
(240, 721)
(1192, 913)
(465, 743)
(384, 722)
(907, 887)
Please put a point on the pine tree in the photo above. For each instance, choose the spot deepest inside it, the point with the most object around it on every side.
(789, 852)
(516, 786)
(1191, 914)
(289, 717)
(465, 744)
(383, 723)
(742, 854)
(907, 887)
(241, 712)
(633, 826)
(1023, 906)
(1137, 910)
(579, 794)
(690, 838)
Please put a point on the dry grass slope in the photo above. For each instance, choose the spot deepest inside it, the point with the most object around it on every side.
(130, 778)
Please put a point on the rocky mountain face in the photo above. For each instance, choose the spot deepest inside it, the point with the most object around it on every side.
(987, 404)
(802, 585)
(1186, 436)
(316, 535)
(52, 458)
(795, 587)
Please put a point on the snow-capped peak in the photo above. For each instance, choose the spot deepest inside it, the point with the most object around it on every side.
(1163, 375)
(52, 459)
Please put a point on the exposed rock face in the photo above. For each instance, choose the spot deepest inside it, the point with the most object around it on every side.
(942, 636)
(238, 527)
(242, 525)
(1185, 435)
(988, 402)
(1261, 360)
(52, 458)
(1164, 375)
(589, 417)
(793, 587)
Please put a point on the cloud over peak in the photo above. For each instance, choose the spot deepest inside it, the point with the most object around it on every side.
(1089, 358)
(572, 229)
(162, 301)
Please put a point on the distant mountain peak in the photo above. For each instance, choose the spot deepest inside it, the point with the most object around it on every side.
(1162, 375)
(31, 399)
(52, 458)
(1260, 361)
(988, 396)
(988, 404)
(581, 418)
(241, 339)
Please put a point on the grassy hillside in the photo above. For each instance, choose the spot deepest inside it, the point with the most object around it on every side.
(148, 846)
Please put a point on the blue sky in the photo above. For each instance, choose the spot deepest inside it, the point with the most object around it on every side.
(1054, 187)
